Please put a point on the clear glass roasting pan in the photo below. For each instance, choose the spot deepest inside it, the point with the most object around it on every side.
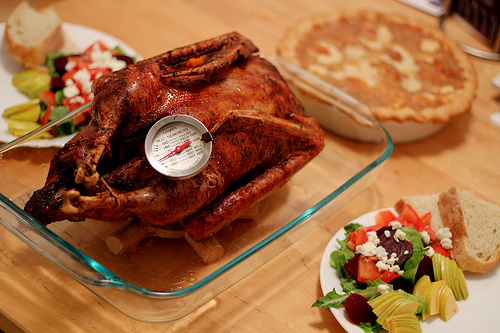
(164, 279)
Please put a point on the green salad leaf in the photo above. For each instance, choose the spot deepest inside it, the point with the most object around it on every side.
(335, 300)
(411, 265)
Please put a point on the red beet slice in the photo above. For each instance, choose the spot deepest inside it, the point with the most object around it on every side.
(351, 267)
(358, 310)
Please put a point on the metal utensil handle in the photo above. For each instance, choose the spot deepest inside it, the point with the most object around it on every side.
(42, 128)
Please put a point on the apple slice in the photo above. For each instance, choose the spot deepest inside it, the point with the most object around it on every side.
(381, 319)
(437, 266)
(448, 305)
(459, 279)
(425, 280)
(379, 304)
(406, 306)
(432, 293)
(403, 322)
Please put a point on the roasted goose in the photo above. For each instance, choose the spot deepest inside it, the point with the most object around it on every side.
(260, 140)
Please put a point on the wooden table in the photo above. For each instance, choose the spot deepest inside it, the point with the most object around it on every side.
(36, 296)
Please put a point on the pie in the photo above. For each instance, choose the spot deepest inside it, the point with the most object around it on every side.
(401, 68)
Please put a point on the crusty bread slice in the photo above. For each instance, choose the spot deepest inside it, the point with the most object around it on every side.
(475, 226)
(31, 35)
(473, 222)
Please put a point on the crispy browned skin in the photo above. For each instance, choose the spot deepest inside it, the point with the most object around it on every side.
(264, 139)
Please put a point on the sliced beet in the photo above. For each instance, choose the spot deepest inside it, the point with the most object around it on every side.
(358, 310)
(403, 284)
(351, 267)
(128, 60)
(402, 248)
(60, 64)
(425, 268)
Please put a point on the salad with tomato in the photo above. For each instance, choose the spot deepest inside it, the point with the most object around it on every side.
(390, 255)
(62, 86)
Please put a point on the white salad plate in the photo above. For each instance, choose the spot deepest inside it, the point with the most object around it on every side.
(81, 37)
(479, 313)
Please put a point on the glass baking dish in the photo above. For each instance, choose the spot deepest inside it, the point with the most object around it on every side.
(164, 279)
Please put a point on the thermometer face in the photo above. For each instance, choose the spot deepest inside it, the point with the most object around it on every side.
(178, 146)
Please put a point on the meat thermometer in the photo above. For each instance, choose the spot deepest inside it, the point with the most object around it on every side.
(178, 146)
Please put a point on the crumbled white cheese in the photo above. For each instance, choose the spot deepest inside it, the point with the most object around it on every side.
(395, 225)
(392, 260)
(69, 66)
(446, 243)
(70, 90)
(372, 237)
(383, 288)
(406, 252)
(83, 76)
(399, 235)
(387, 233)
(425, 236)
(430, 251)
(77, 99)
(382, 266)
(104, 59)
(367, 249)
(396, 269)
(444, 236)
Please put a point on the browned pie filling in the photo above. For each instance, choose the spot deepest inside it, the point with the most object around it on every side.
(384, 63)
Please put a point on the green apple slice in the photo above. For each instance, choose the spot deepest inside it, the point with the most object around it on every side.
(425, 280)
(448, 306)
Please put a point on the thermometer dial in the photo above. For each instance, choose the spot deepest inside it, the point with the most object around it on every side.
(178, 146)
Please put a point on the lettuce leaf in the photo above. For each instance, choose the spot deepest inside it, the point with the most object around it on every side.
(411, 265)
(335, 300)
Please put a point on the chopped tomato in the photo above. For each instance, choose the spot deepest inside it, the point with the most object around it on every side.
(69, 74)
(439, 249)
(88, 51)
(368, 270)
(357, 237)
(46, 115)
(82, 117)
(431, 232)
(97, 72)
(384, 217)
(80, 62)
(409, 215)
(48, 98)
(424, 220)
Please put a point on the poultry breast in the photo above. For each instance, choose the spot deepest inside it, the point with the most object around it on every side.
(261, 138)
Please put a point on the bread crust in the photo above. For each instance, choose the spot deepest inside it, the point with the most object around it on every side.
(298, 45)
(462, 253)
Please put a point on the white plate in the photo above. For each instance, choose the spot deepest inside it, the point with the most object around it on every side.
(82, 37)
(479, 313)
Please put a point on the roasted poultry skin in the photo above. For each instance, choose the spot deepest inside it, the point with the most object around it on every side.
(261, 139)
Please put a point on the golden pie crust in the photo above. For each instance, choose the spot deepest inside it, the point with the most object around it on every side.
(401, 68)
